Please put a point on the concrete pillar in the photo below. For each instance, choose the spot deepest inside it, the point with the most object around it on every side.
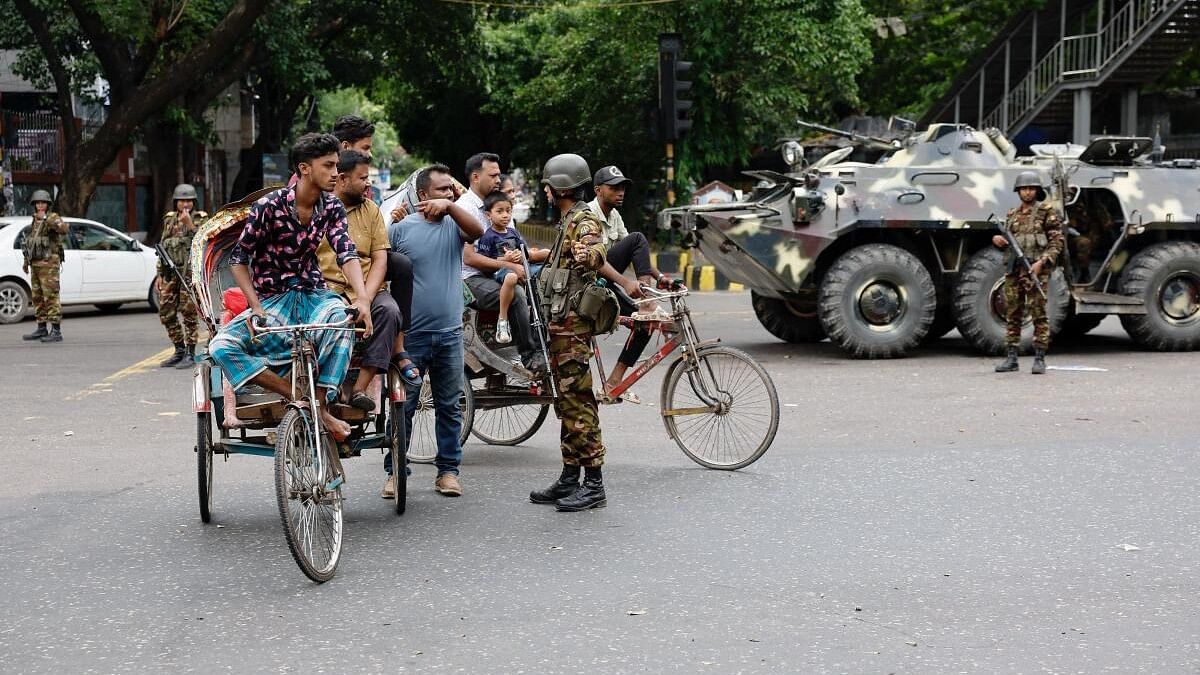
(1129, 111)
(1081, 129)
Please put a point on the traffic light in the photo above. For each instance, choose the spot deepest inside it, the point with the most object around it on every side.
(674, 81)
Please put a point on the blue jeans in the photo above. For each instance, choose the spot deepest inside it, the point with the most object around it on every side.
(440, 355)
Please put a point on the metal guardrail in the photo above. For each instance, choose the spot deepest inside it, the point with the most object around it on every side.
(1077, 58)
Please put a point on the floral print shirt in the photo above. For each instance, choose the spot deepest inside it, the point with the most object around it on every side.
(282, 253)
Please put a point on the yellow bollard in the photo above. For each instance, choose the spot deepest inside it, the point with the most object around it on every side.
(736, 287)
(708, 278)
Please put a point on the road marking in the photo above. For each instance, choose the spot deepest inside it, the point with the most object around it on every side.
(106, 384)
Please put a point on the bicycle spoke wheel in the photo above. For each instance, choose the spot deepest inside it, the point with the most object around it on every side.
(723, 412)
(204, 464)
(422, 443)
(311, 513)
(396, 441)
(509, 425)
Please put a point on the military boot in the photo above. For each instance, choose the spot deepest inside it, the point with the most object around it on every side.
(55, 334)
(38, 334)
(590, 495)
(1010, 363)
(173, 359)
(189, 358)
(565, 486)
(1039, 362)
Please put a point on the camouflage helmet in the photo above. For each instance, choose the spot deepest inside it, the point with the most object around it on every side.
(566, 172)
(184, 191)
(40, 196)
(1030, 179)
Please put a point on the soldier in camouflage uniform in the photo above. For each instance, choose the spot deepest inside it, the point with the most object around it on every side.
(1038, 231)
(43, 253)
(579, 253)
(175, 306)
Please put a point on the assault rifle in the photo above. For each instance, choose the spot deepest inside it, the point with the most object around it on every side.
(186, 285)
(536, 324)
(1019, 257)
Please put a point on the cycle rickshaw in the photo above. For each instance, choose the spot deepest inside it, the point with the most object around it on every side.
(717, 403)
(308, 471)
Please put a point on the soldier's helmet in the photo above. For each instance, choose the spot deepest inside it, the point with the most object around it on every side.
(183, 191)
(1030, 179)
(566, 172)
(40, 196)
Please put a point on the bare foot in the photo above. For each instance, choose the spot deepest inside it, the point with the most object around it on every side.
(336, 428)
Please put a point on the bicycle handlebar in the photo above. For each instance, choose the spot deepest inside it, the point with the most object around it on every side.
(259, 326)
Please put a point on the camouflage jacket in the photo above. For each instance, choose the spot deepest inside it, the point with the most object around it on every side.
(578, 224)
(44, 240)
(177, 241)
(1038, 230)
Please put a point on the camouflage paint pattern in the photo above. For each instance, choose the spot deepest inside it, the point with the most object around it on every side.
(1038, 230)
(177, 313)
(44, 282)
(942, 189)
(1019, 294)
(579, 433)
(571, 350)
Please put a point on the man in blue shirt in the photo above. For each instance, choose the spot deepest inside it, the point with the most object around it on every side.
(433, 238)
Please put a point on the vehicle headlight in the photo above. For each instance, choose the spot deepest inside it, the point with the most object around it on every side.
(793, 153)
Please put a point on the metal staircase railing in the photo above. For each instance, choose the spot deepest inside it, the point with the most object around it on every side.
(1078, 58)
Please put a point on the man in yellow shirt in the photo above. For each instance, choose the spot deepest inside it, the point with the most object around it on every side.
(367, 230)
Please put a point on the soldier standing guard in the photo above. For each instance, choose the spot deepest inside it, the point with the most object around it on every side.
(1038, 231)
(175, 306)
(580, 249)
(43, 252)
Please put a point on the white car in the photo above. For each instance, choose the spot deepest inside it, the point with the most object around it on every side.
(101, 267)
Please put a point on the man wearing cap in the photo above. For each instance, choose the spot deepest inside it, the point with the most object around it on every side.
(175, 308)
(623, 248)
(42, 252)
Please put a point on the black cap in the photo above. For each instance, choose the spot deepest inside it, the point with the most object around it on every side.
(609, 175)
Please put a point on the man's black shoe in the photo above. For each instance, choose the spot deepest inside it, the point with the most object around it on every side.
(55, 335)
(590, 495)
(561, 488)
(38, 334)
(1010, 363)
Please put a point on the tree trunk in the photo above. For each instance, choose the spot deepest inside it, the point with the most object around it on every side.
(162, 146)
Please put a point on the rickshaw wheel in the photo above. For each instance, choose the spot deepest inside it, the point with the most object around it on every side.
(204, 464)
(397, 440)
(311, 510)
(422, 446)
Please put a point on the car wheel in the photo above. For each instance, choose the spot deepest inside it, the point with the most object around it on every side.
(152, 296)
(14, 302)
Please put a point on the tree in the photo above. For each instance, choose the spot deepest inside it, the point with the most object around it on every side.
(147, 59)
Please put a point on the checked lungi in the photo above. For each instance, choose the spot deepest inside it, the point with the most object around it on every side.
(242, 358)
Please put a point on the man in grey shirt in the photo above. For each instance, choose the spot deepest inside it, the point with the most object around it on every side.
(433, 238)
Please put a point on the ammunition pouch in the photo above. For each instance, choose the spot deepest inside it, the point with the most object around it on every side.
(555, 288)
(598, 305)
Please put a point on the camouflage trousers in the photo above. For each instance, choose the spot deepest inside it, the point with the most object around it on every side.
(44, 282)
(579, 437)
(175, 307)
(1019, 293)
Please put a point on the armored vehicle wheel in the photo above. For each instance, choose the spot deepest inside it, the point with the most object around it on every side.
(422, 442)
(877, 301)
(1167, 278)
(787, 320)
(1078, 325)
(979, 303)
(943, 320)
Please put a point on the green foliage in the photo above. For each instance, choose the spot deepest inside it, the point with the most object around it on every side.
(352, 101)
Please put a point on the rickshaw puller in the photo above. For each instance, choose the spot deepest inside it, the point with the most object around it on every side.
(276, 260)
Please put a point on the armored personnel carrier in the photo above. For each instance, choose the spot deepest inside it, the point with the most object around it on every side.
(883, 256)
